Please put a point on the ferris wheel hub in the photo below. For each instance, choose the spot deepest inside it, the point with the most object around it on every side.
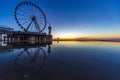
(33, 18)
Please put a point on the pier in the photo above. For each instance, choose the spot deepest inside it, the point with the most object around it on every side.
(21, 36)
(18, 36)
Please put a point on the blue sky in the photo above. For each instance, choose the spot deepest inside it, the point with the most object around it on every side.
(76, 18)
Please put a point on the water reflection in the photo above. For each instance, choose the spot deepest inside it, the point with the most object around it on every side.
(30, 59)
(29, 62)
(73, 60)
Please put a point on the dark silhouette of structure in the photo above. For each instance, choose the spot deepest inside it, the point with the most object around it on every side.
(35, 59)
(49, 28)
(32, 21)
(58, 40)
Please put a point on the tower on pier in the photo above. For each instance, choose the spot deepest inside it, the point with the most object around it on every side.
(49, 30)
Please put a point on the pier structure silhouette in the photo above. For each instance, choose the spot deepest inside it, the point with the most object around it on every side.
(32, 21)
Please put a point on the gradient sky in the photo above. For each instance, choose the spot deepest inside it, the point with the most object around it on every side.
(72, 18)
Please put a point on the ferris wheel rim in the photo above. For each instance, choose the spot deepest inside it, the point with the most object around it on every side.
(33, 5)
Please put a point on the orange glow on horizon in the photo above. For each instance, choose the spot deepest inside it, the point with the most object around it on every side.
(113, 36)
(71, 36)
(67, 35)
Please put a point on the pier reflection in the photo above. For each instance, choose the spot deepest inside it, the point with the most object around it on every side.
(30, 59)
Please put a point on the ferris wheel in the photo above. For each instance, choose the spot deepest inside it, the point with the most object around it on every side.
(30, 17)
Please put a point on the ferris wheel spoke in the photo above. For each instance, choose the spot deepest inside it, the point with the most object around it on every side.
(40, 26)
(23, 18)
(32, 8)
(37, 26)
(25, 22)
(28, 53)
(39, 15)
(28, 9)
(41, 23)
(32, 27)
(28, 26)
(25, 8)
(41, 19)
(36, 53)
(22, 14)
(22, 10)
(34, 11)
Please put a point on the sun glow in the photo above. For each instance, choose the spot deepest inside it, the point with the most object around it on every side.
(83, 35)
(68, 35)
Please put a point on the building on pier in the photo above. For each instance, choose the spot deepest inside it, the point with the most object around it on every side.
(4, 31)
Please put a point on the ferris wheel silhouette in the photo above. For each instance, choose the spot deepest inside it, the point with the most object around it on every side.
(29, 62)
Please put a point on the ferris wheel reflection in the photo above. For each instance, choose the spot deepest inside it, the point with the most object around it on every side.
(30, 61)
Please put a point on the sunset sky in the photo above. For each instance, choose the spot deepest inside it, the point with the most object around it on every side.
(72, 18)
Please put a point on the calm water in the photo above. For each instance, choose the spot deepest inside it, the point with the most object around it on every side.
(61, 61)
